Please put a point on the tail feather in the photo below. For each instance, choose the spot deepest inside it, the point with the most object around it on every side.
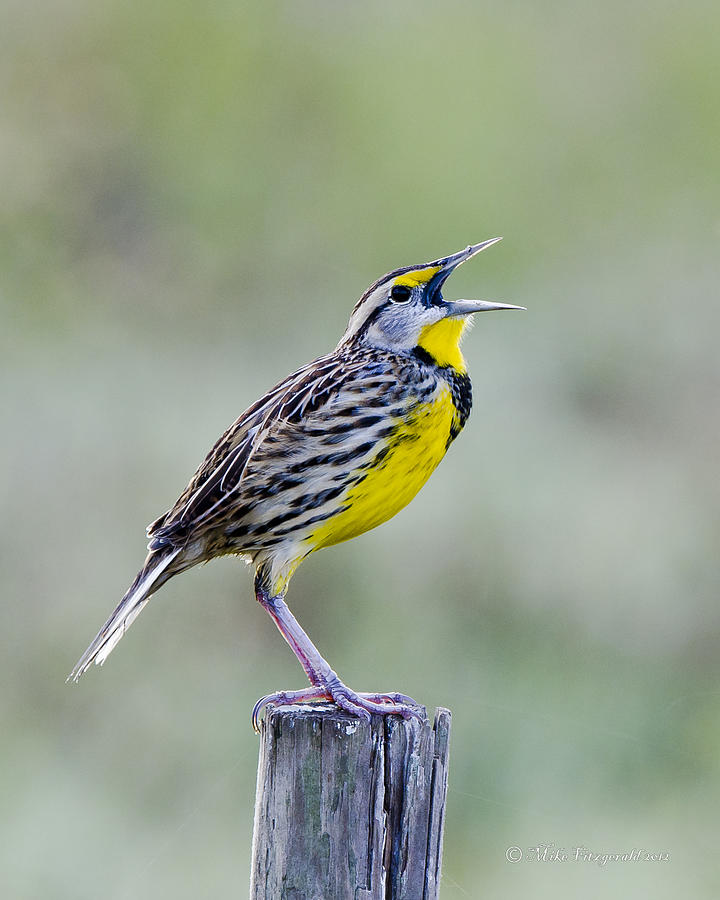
(152, 575)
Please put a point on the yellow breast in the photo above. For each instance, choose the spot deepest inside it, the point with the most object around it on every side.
(415, 450)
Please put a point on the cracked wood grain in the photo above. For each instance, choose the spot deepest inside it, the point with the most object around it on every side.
(347, 809)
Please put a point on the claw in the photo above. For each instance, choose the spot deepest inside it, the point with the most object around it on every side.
(364, 706)
(255, 715)
(286, 698)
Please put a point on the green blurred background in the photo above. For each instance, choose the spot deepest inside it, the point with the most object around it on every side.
(193, 197)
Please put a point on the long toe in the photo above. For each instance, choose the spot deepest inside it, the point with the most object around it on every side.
(392, 697)
(286, 698)
(361, 705)
(366, 705)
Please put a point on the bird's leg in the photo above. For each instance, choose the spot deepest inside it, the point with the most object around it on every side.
(325, 684)
(301, 645)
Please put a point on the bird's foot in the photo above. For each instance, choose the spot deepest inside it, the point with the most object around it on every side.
(361, 705)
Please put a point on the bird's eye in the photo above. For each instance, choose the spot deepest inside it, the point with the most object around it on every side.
(400, 293)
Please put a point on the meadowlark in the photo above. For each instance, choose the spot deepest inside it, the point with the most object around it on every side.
(333, 450)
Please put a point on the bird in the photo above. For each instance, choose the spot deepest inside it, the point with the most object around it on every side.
(332, 451)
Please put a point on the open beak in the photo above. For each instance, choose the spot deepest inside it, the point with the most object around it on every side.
(467, 307)
(447, 266)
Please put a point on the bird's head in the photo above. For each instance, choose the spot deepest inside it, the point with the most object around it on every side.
(405, 310)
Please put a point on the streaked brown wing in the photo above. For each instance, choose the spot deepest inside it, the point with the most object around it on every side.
(218, 478)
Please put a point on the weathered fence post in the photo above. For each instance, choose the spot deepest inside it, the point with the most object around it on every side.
(347, 810)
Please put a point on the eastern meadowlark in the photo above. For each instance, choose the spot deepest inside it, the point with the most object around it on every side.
(335, 449)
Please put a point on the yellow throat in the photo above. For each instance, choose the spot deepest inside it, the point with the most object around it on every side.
(442, 342)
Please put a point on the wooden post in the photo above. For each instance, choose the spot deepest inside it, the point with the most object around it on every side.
(346, 809)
